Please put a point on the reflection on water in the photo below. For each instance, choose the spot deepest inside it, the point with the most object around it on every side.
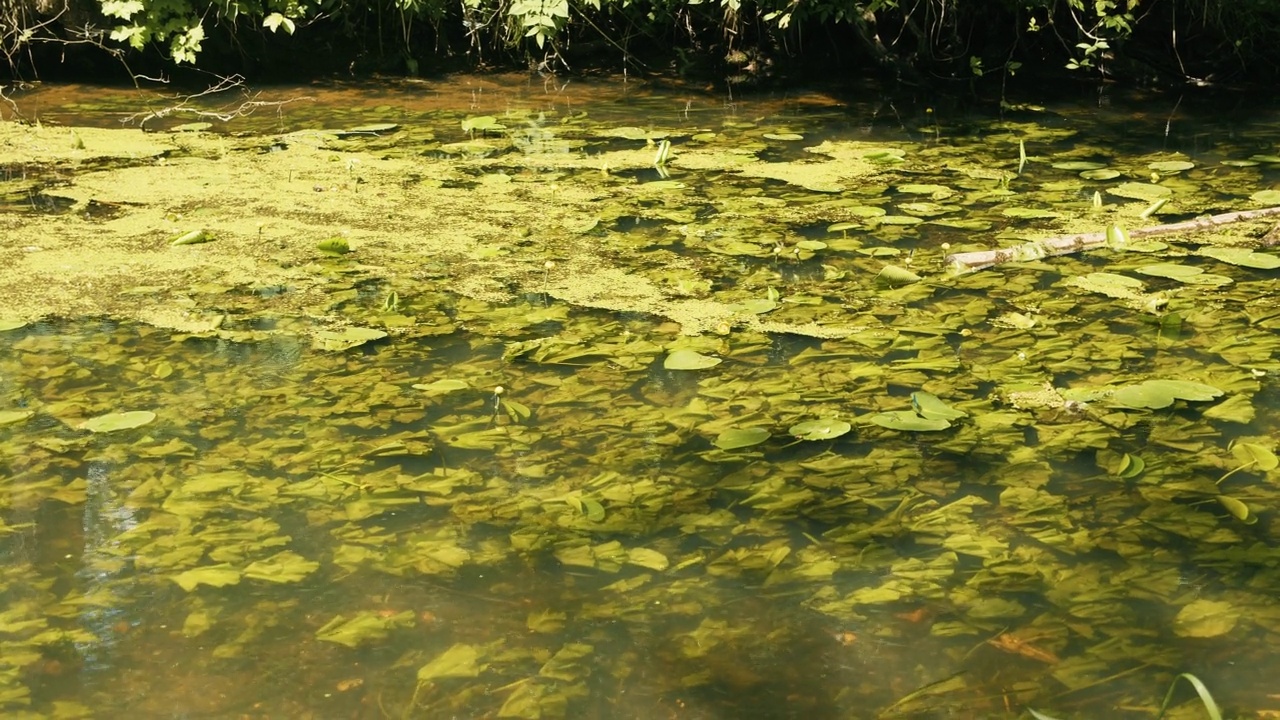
(533, 517)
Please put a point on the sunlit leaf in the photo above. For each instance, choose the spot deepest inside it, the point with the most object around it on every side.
(908, 420)
(685, 359)
(285, 567)
(928, 406)
(819, 429)
(113, 422)
(736, 438)
(212, 575)
(1255, 456)
(8, 417)
(1237, 509)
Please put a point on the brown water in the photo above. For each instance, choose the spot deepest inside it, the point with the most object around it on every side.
(554, 532)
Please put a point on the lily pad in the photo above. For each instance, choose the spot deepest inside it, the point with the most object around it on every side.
(1242, 257)
(113, 422)
(7, 324)
(820, 429)
(1100, 174)
(346, 338)
(685, 359)
(1156, 394)
(441, 387)
(908, 420)
(928, 406)
(1171, 166)
(1266, 197)
(1173, 271)
(1078, 165)
(1140, 191)
(736, 438)
(1109, 284)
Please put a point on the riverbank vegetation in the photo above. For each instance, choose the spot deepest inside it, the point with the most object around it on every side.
(1172, 42)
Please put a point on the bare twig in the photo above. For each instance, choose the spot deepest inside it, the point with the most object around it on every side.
(1066, 244)
(184, 104)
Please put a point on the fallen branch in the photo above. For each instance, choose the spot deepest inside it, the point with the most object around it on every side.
(966, 262)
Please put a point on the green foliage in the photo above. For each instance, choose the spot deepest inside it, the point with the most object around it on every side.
(967, 37)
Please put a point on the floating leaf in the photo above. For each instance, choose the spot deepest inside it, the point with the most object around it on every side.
(459, 661)
(1078, 165)
(442, 387)
(929, 406)
(347, 338)
(685, 359)
(893, 275)
(1029, 213)
(1109, 284)
(1266, 197)
(1171, 166)
(8, 417)
(220, 575)
(7, 324)
(1131, 466)
(736, 438)
(1253, 455)
(113, 422)
(1242, 257)
(1156, 394)
(482, 123)
(1139, 191)
(820, 429)
(1172, 271)
(284, 567)
(789, 137)
(897, 220)
(937, 192)
(908, 420)
(1237, 508)
(1205, 618)
(1100, 174)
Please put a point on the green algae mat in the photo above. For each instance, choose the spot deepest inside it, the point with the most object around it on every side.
(536, 413)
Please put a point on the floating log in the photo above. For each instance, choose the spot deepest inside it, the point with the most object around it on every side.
(967, 262)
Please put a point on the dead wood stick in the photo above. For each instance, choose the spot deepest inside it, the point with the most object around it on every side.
(966, 262)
